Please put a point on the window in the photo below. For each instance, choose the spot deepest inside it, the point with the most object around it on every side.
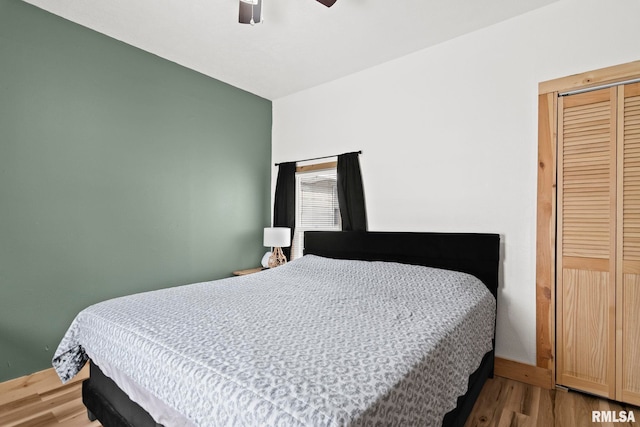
(316, 204)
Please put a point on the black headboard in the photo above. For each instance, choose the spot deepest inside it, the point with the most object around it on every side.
(474, 253)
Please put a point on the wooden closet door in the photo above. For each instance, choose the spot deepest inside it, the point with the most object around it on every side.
(628, 251)
(586, 241)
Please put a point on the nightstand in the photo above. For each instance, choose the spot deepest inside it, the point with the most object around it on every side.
(248, 271)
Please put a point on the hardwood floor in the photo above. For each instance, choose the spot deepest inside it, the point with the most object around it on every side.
(40, 400)
(508, 403)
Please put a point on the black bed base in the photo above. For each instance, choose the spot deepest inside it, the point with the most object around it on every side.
(458, 416)
(107, 403)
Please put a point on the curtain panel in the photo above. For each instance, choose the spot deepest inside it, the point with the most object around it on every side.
(351, 193)
(284, 206)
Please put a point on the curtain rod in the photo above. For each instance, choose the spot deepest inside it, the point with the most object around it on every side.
(319, 158)
(603, 86)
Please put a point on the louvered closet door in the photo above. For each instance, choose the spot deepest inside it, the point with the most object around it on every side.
(628, 266)
(586, 241)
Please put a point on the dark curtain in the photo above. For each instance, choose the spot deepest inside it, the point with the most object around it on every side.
(284, 206)
(350, 193)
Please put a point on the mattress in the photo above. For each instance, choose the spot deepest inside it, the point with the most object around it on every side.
(318, 342)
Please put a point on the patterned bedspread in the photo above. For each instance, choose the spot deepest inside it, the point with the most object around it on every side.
(317, 342)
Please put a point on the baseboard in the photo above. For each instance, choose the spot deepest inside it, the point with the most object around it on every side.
(522, 372)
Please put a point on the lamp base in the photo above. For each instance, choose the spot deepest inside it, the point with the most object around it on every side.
(277, 258)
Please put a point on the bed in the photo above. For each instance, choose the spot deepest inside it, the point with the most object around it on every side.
(324, 359)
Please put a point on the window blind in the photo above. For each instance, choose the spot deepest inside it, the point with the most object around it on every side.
(316, 205)
(319, 201)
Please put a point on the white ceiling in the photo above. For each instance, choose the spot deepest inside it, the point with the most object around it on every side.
(301, 44)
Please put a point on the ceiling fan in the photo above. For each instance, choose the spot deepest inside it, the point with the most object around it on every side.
(251, 10)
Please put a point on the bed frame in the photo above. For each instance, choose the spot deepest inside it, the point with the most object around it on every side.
(473, 253)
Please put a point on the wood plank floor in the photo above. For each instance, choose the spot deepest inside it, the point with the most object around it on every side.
(40, 400)
(508, 403)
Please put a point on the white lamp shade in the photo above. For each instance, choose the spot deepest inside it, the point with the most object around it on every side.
(277, 237)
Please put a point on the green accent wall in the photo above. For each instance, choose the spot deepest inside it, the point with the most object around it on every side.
(120, 172)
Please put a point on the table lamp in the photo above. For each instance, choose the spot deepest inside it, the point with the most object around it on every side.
(277, 238)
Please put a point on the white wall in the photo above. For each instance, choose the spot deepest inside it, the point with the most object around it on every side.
(449, 134)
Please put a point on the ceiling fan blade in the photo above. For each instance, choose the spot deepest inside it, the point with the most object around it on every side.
(248, 11)
(327, 3)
